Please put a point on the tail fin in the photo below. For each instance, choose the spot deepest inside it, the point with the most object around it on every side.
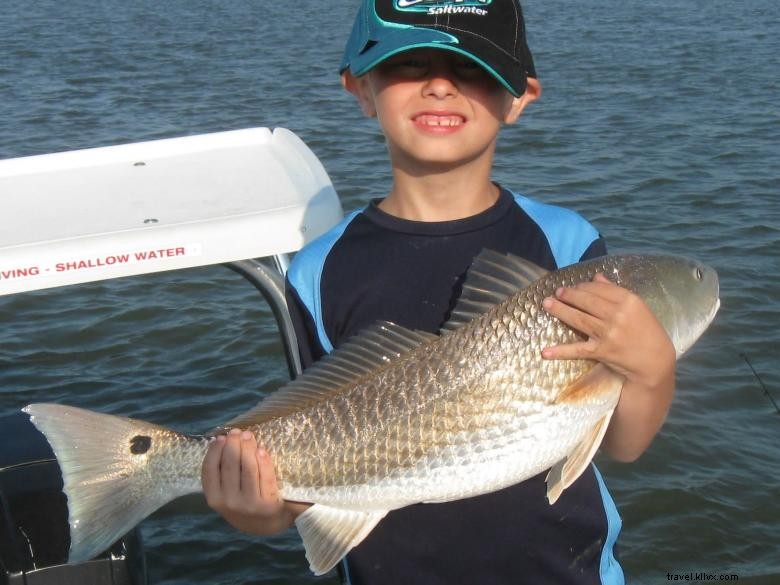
(109, 466)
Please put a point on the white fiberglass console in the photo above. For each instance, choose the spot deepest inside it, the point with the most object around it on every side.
(101, 213)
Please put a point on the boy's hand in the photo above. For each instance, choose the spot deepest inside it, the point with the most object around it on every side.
(239, 482)
(623, 334)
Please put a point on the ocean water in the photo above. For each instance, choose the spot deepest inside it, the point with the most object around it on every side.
(659, 122)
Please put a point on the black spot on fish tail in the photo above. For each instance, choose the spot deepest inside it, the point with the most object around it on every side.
(140, 444)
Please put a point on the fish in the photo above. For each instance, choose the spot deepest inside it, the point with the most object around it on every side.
(396, 417)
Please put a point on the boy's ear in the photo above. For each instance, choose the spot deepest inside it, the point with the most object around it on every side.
(533, 91)
(358, 86)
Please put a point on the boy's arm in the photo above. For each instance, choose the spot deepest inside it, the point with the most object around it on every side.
(309, 347)
(624, 335)
(238, 475)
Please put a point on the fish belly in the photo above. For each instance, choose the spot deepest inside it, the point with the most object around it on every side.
(472, 464)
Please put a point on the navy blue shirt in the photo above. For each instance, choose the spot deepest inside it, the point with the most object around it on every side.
(374, 266)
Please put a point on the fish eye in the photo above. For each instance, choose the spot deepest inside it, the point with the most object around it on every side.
(698, 273)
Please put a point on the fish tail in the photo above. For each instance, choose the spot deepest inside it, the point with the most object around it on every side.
(115, 471)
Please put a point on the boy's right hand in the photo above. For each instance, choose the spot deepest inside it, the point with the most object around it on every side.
(239, 482)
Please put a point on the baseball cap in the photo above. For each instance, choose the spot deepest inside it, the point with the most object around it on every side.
(491, 32)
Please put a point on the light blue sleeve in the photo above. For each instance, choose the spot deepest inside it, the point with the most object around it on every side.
(567, 232)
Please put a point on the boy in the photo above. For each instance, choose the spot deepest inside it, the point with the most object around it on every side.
(442, 77)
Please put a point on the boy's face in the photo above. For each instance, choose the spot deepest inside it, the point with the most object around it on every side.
(437, 107)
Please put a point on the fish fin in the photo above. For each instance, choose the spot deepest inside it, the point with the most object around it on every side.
(361, 356)
(565, 472)
(492, 278)
(107, 484)
(595, 382)
(329, 533)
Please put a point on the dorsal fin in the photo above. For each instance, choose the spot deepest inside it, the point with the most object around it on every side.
(364, 354)
(492, 278)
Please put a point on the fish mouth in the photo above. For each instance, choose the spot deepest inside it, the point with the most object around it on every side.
(715, 309)
(705, 324)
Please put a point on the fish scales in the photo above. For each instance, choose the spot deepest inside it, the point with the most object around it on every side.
(461, 390)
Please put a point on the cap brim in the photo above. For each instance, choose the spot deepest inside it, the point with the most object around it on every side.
(506, 71)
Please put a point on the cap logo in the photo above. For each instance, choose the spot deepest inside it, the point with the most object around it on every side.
(443, 6)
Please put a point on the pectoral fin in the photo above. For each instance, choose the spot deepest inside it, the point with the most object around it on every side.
(566, 471)
(328, 533)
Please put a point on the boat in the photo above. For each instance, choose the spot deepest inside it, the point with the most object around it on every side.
(245, 199)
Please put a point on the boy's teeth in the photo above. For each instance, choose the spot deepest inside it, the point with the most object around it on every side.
(429, 120)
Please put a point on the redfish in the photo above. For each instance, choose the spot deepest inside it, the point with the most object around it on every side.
(396, 417)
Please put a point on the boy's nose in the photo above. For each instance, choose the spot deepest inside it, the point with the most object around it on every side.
(440, 84)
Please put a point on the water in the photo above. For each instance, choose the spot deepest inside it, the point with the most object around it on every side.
(658, 122)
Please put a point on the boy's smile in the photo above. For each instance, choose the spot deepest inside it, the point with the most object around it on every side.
(439, 122)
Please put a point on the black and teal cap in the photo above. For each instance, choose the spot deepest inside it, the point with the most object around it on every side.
(491, 32)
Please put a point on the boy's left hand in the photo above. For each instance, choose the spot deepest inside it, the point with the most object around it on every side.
(623, 334)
